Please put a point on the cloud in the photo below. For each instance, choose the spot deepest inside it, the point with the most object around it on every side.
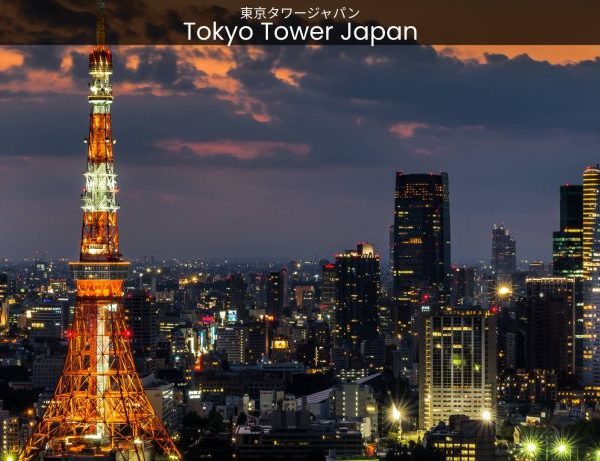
(406, 130)
(161, 71)
(169, 197)
(288, 76)
(555, 54)
(239, 150)
(304, 131)
(10, 58)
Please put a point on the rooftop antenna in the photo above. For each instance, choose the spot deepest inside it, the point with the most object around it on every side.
(100, 29)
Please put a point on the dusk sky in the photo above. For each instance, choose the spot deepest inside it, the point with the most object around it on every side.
(291, 151)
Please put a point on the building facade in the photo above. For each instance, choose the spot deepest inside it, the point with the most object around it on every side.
(550, 329)
(457, 365)
(142, 313)
(591, 275)
(567, 243)
(277, 293)
(421, 244)
(358, 286)
(504, 254)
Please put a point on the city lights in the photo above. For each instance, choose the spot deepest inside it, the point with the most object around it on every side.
(250, 319)
(396, 415)
(486, 415)
(504, 290)
(562, 448)
(531, 448)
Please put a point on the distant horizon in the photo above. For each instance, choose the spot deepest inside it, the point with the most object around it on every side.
(247, 259)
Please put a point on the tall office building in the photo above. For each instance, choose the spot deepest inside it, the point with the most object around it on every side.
(567, 252)
(358, 286)
(236, 294)
(328, 296)
(463, 286)
(142, 313)
(391, 249)
(550, 329)
(257, 339)
(421, 245)
(504, 254)
(567, 243)
(591, 215)
(231, 341)
(277, 293)
(591, 273)
(457, 365)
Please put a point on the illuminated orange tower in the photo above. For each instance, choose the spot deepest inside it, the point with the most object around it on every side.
(99, 408)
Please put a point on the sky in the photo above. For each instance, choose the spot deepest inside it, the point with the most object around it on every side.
(292, 151)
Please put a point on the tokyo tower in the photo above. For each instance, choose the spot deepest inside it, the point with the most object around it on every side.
(99, 409)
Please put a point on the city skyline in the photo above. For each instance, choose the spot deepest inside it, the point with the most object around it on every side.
(214, 154)
(382, 345)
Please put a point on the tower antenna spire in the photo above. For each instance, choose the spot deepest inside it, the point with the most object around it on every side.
(100, 28)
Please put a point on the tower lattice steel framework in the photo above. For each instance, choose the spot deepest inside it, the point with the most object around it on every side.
(99, 408)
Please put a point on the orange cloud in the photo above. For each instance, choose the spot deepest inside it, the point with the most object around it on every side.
(216, 64)
(289, 76)
(10, 58)
(212, 63)
(555, 54)
(132, 62)
(37, 82)
(241, 150)
(406, 130)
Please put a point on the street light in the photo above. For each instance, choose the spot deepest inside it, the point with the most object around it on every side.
(486, 416)
(531, 449)
(397, 418)
(504, 290)
(562, 448)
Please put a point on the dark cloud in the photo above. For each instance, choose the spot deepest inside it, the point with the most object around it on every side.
(293, 150)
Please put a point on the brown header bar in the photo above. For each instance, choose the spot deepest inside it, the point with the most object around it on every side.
(155, 22)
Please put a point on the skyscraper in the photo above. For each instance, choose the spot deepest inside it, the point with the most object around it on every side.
(591, 273)
(504, 254)
(328, 297)
(358, 285)
(550, 328)
(463, 286)
(457, 365)
(277, 293)
(567, 243)
(142, 313)
(591, 215)
(99, 408)
(236, 295)
(421, 244)
(567, 252)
